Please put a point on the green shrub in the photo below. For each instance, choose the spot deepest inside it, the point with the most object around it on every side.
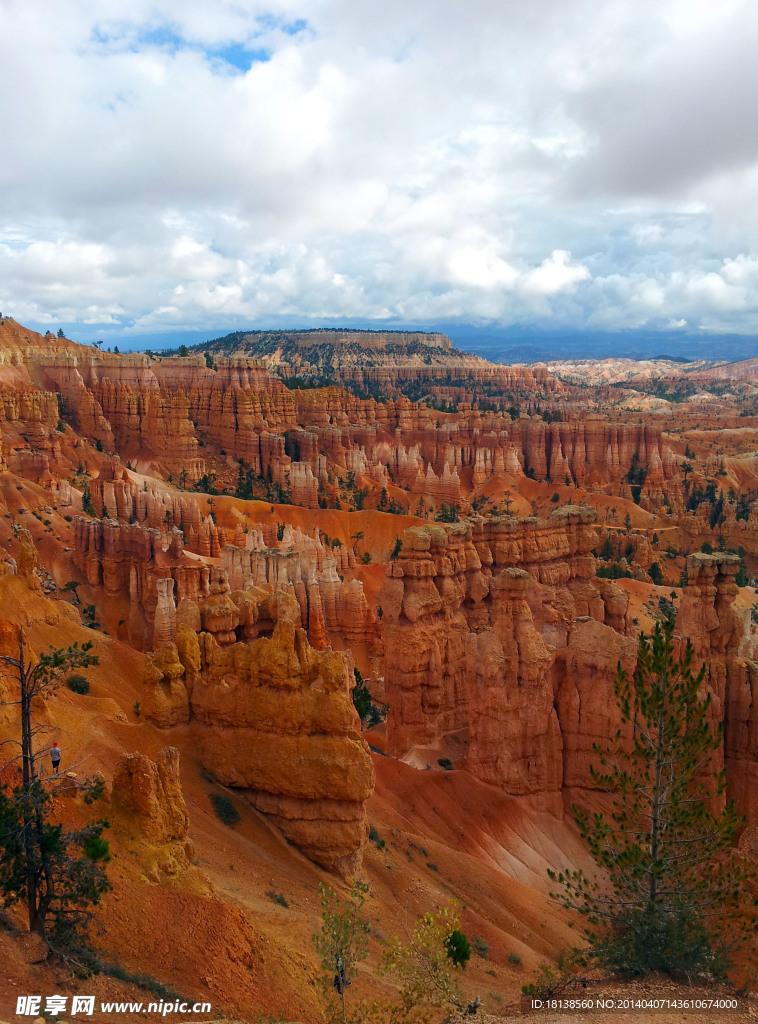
(278, 898)
(614, 571)
(458, 948)
(374, 837)
(78, 683)
(514, 958)
(225, 810)
(481, 947)
(96, 848)
(678, 945)
(361, 698)
(606, 552)
(446, 763)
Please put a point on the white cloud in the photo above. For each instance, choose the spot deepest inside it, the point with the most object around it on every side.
(555, 275)
(589, 164)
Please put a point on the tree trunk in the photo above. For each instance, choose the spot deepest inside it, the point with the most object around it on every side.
(27, 769)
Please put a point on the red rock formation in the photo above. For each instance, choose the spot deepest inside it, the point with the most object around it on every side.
(474, 616)
(178, 414)
(498, 632)
(274, 718)
(332, 610)
(166, 588)
(166, 702)
(151, 792)
(584, 676)
(719, 636)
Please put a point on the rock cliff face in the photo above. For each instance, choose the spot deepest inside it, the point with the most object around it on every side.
(499, 633)
(150, 792)
(274, 718)
(475, 618)
(166, 588)
(725, 641)
(583, 674)
(388, 362)
(188, 419)
(272, 714)
(332, 610)
(117, 496)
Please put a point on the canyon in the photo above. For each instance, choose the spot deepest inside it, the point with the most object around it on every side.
(251, 531)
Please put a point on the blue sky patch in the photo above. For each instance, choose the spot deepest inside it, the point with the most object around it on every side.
(240, 56)
(167, 36)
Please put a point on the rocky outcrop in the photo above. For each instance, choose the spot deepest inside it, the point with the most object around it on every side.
(150, 793)
(274, 718)
(584, 675)
(725, 642)
(332, 610)
(166, 588)
(166, 700)
(475, 617)
(498, 632)
(272, 715)
(27, 557)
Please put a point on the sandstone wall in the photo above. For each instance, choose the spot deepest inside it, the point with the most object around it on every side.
(474, 616)
(725, 641)
(499, 633)
(274, 718)
(189, 418)
(150, 794)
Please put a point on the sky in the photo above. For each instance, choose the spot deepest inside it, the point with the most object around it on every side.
(180, 166)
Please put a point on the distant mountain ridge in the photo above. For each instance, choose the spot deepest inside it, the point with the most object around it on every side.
(379, 363)
(252, 342)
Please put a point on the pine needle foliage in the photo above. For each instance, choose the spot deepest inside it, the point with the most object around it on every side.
(669, 894)
(59, 873)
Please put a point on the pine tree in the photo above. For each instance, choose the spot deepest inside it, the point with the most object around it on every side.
(670, 892)
(607, 552)
(57, 873)
(656, 574)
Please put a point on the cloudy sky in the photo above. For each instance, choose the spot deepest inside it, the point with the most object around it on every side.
(177, 165)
